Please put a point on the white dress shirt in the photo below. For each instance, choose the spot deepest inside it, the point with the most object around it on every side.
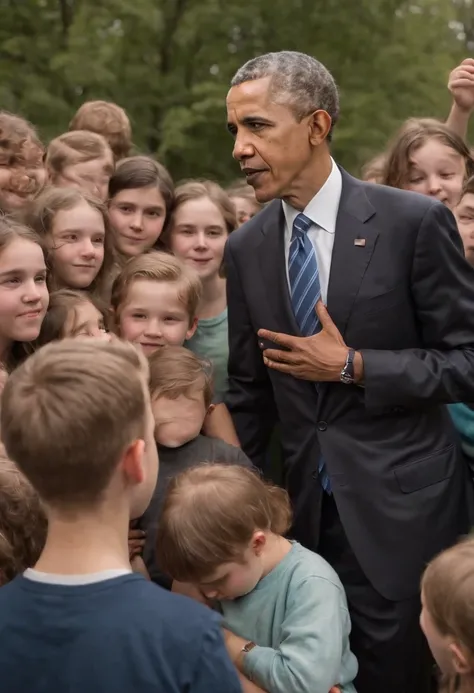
(322, 210)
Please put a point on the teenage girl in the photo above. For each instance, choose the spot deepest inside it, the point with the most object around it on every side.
(80, 159)
(75, 227)
(23, 291)
(202, 219)
(22, 172)
(429, 158)
(141, 194)
(447, 616)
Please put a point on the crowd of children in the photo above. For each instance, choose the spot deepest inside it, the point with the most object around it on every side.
(113, 362)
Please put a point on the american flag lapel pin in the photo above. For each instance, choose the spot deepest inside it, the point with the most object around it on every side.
(360, 242)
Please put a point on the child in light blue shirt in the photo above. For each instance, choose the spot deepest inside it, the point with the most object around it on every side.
(285, 612)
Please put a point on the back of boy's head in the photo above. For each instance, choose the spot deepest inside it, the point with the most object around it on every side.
(176, 371)
(77, 147)
(68, 414)
(109, 120)
(22, 522)
(159, 267)
(210, 515)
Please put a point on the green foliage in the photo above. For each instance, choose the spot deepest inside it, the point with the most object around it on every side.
(169, 63)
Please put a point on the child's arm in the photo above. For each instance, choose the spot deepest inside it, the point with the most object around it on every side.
(248, 686)
(461, 86)
(218, 424)
(138, 566)
(315, 630)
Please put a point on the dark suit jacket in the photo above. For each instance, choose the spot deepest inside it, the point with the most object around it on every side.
(406, 301)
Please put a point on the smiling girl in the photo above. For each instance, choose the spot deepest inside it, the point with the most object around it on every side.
(23, 292)
(141, 195)
(203, 218)
(429, 158)
(75, 227)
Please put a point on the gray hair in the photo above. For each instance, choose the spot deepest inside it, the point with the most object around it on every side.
(297, 80)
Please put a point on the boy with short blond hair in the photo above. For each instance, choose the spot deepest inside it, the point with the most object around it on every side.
(76, 419)
(181, 389)
(155, 300)
(109, 120)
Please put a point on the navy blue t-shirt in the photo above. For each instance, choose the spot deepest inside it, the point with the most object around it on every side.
(122, 635)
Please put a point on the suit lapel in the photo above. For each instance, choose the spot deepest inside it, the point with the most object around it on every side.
(354, 244)
(273, 269)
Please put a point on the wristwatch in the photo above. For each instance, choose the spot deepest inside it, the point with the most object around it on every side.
(347, 374)
(248, 646)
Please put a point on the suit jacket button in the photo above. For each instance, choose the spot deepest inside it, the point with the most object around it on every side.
(322, 425)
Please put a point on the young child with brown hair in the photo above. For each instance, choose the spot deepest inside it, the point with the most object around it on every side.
(22, 522)
(181, 393)
(22, 172)
(141, 195)
(373, 170)
(76, 419)
(447, 618)
(155, 300)
(285, 611)
(244, 200)
(80, 159)
(73, 314)
(74, 225)
(109, 120)
(427, 157)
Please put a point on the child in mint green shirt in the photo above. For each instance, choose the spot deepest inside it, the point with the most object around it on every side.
(285, 612)
(203, 217)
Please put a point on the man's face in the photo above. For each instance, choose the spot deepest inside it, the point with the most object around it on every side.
(274, 149)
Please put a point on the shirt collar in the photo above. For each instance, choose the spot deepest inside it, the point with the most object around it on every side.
(323, 207)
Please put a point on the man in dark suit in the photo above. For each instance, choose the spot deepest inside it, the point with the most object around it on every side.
(359, 386)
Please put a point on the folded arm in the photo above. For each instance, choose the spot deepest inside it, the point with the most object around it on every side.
(442, 287)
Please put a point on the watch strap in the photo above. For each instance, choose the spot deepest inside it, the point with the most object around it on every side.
(347, 373)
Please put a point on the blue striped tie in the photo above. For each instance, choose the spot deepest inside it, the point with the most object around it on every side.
(305, 293)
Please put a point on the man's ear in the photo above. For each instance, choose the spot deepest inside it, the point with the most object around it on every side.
(319, 124)
(210, 409)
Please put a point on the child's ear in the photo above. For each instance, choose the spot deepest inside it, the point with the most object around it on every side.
(192, 328)
(459, 659)
(258, 542)
(210, 409)
(132, 462)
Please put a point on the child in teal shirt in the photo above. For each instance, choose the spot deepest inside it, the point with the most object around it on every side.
(285, 612)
